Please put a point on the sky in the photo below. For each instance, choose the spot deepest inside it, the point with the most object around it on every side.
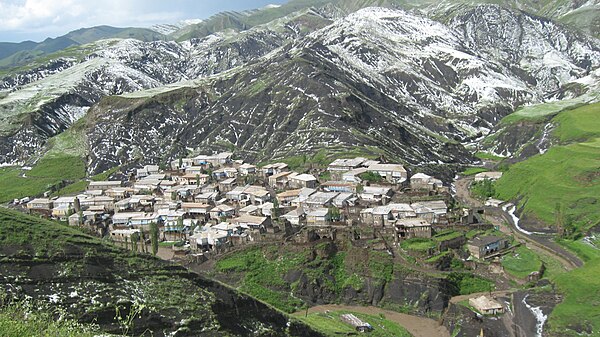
(36, 20)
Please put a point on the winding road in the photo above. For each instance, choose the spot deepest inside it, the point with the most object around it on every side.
(542, 243)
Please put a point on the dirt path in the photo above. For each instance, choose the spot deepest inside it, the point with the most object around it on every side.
(417, 326)
(463, 194)
(540, 244)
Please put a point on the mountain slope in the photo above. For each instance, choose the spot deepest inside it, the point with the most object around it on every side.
(18, 54)
(448, 84)
(30, 106)
(382, 78)
(89, 279)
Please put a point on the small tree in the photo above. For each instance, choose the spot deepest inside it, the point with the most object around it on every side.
(154, 237)
(180, 162)
(360, 188)
(180, 227)
(135, 238)
(275, 213)
(334, 213)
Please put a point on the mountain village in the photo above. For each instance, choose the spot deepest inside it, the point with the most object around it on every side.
(211, 204)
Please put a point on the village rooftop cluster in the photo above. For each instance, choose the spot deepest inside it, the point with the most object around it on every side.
(212, 203)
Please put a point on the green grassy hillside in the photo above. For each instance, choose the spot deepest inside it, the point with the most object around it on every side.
(58, 268)
(566, 177)
(579, 312)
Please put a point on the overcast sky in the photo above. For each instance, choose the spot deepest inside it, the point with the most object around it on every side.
(38, 19)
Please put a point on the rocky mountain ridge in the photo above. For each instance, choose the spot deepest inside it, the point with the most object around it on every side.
(296, 85)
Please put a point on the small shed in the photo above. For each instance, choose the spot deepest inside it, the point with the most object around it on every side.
(486, 305)
(356, 322)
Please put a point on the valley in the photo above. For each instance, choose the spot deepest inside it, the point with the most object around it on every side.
(315, 168)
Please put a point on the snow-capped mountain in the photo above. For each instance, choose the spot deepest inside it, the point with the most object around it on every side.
(407, 85)
(412, 87)
(29, 118)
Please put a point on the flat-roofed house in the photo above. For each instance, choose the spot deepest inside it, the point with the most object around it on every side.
(413, 228)
(194, 179)
(247, 169)
(146, 171)
(318, 217)
(222, 211)
(251, 222)
(276, 168)
(103, 185)
(339, 186)
(196, 209)
(394, 173)
(303, 180)
(433, 211)
(280, 180)
(320, 199)
(40, 206)
(296, 216)
(486, 305)
(227, 185)
(345, 165)
(424, 182)
(375, 193)
(480, 247)
(258, 195)
(285, 198)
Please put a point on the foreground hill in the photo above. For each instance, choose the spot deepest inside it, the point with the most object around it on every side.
(96, 282)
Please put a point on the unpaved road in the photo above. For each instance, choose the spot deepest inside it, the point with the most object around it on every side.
(539, 243)
(417, 326)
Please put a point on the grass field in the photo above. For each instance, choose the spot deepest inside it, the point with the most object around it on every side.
(521, 262)
(471, 171)
(566, 176)
(19, 320)
(48, 172)
(580, 308)
(331, 325)
(544, 110)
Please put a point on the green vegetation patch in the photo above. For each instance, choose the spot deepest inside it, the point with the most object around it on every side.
(418, 244)
(484, 189)
(521, 262)
(21, 320)
(264, 270)
(372, 177)
(471, 171)
(488, 156)
(330, 324)
(45, 175)
(105, 175)
(447, 235)
(580, 308)
(467, 283)
(542, 111)
(578, 125)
